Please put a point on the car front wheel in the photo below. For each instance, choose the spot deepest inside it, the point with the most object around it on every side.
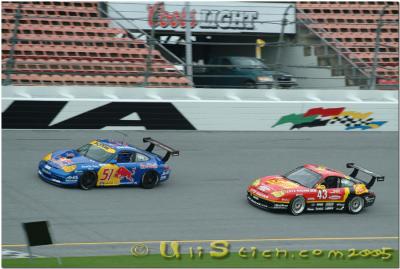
(355, 204)
(87, 181)
(297, 205)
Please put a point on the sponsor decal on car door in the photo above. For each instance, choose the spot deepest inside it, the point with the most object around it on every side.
(108, 175)
(331, 195)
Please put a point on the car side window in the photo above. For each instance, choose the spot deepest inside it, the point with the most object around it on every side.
(345, 183)
(125, 157)
(141, 158)
(331, 182)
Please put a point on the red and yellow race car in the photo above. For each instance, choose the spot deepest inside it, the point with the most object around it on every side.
(314, 188)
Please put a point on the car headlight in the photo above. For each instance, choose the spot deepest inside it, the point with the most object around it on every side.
(264, 79)
(47, 157)
(69, 168)
(278, 194)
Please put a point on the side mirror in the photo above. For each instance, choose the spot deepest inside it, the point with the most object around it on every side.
(320, 187)
(113, 161)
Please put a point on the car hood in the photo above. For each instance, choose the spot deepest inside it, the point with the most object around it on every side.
(267, 72)
(68, 157)
(280, 74)
(277, 183)
(258, 71)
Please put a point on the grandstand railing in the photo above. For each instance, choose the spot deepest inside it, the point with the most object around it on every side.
(337, 49)
(148, 37)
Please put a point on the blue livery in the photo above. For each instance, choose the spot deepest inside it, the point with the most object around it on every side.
(107, 163)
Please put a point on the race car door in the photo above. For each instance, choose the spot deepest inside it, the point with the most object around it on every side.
(127, 167)
(330, 195)
(120, 171)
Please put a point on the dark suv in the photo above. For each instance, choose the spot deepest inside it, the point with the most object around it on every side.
(240, 72)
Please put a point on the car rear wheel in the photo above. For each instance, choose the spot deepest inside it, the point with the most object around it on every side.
(355, 204)
(87, 181)
(297, 205)
(150, 180)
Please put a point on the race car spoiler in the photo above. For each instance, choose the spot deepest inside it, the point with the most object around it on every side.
(375, 177)
(153, 143)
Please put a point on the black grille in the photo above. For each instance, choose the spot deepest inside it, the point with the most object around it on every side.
(284, 78)
(57, 177)
(261, 201)
(267, 203)
(53, 176)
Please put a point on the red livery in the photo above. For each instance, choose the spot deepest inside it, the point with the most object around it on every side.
(314, 188)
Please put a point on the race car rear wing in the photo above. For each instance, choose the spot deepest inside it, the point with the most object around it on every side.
(153, 143)
(375, 177)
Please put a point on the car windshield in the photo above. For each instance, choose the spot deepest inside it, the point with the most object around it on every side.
(245, 62)
(303, 176)
(96, 153)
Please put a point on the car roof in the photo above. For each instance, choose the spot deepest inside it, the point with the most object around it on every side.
(119, 145)
(324, 171)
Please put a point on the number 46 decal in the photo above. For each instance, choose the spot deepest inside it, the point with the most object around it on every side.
(322, 194)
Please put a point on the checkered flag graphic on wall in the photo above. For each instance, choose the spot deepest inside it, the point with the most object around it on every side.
(349, 121)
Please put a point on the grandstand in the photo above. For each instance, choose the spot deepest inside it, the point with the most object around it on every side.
(71, 43)
(350, 28)
(74, 43)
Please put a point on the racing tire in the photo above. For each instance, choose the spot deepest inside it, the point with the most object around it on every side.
(87, 181)
(297, 205)
(355, 204)
(150, 180)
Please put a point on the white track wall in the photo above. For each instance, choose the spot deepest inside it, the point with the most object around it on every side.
(263, 116)
(198, 109)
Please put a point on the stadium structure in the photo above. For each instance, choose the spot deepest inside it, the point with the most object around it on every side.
(337, 44)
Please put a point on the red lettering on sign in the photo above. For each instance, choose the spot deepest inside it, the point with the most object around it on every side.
(158, 16)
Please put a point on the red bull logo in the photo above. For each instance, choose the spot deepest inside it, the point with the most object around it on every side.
(124, 173)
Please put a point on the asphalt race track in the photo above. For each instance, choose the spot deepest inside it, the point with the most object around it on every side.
(205, 197)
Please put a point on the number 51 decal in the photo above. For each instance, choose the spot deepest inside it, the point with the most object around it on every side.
(322, 194)
(107, 173)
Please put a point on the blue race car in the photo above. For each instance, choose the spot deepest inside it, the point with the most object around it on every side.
(107, 163)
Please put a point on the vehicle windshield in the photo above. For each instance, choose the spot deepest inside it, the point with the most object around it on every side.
(304, 177)
(96, 153)
(246, 62)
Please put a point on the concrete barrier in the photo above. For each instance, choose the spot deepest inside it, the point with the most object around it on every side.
(198, 109)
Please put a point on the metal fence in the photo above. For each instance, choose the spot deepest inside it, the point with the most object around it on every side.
(356, 73)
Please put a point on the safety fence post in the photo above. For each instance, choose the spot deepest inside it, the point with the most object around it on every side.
(372, 81)
(14, 40)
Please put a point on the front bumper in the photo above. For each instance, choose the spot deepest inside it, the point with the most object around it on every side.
(264, 204)
(286, 84)
(265, 85)
(56, 176)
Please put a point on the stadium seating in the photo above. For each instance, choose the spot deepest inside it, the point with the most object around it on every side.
(70, 43)
(351, 28)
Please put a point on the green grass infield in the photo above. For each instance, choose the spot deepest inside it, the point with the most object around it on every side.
(291, 259)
